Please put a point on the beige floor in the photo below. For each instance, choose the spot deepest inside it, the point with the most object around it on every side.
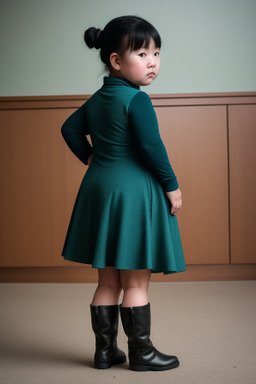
(46, 336)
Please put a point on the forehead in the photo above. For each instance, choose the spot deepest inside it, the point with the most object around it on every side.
(148, 45)
(142, 37)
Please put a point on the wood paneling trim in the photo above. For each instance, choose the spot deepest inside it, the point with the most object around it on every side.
(242, 142)
(74, 101)
(89, 275)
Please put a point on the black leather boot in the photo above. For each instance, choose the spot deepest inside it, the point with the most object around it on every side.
(143, 355)
(105, 326)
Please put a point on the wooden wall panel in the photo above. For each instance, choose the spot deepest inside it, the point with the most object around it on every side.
(196, 140)
(41, 177)
(242, 147)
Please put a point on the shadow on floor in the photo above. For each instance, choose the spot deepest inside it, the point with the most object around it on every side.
(41, 354)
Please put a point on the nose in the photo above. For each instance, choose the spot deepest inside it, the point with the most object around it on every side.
(151, 61)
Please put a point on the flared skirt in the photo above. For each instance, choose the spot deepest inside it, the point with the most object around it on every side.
(121, 218)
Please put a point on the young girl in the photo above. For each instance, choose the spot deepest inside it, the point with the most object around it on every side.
(124, 219)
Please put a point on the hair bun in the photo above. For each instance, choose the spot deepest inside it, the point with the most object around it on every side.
(92, 37)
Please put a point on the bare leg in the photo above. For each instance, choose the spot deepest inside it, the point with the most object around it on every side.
(109, 287)
(135, 285)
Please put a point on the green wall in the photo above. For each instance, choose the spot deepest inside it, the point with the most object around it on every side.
(208, 45)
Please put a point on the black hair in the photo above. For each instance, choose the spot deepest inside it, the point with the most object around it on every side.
(120, 34)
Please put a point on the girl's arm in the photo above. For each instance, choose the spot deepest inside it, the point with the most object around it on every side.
(145, 130)
(74, 131)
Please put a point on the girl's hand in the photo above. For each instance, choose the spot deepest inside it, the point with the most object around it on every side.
(175, 200)
(90, 159)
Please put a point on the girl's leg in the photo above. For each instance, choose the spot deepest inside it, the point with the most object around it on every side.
(136, 320)
(135, 285)
(109, 287)
(104, 317)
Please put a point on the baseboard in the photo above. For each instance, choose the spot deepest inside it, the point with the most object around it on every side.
(88, 275)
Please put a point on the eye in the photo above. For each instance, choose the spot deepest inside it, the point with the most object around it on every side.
(157, 54)
(142, 54)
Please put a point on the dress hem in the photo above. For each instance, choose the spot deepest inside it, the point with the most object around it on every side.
(165, 272)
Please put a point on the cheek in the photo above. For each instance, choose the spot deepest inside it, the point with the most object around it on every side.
(141, 66)
(136, 68)
(158, 66)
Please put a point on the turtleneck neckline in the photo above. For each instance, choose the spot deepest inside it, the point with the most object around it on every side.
(118, 81)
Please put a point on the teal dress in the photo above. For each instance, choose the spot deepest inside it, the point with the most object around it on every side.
(121, 217)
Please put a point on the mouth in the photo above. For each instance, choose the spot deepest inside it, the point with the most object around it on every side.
(151, 74)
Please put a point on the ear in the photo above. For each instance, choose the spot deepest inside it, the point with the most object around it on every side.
(114, 61)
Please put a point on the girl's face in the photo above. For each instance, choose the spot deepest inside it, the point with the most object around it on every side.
(139, 67)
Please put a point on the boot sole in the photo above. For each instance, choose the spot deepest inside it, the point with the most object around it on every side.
(109, 365)
(144, 368)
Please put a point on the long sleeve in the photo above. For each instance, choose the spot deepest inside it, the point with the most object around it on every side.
(74, 132)
(144, 126)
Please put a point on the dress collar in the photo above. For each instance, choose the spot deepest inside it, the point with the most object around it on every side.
(118, 81)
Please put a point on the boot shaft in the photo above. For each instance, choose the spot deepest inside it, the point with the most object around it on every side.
(105, 325)
(104, 318)
(136, 322)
